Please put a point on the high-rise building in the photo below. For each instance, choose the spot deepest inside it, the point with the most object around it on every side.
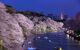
(61, 16)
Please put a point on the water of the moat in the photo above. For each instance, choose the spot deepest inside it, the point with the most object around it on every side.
(52, 40)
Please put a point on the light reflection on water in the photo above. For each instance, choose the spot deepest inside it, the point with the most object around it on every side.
(52, 40)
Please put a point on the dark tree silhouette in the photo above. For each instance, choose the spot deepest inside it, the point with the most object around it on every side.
(77, 17)
(10, 9)
(31, 13)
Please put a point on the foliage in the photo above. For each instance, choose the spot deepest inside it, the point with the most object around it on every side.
(77, 20)
(48, 29)
(77, 17)
(77, 32)
(30, 13)
(10, 9)
(1, 45)
(42, 30)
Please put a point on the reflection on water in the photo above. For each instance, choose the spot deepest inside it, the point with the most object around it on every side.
(55, 40)
(67, 36)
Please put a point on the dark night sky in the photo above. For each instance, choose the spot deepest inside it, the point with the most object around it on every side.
(68, 7)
